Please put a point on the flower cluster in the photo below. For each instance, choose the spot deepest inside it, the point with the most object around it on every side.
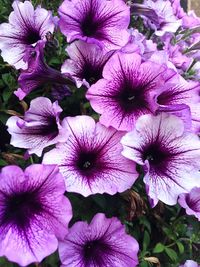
(141, 122)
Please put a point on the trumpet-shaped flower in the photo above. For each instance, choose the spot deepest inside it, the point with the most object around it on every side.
(191, 202)
(160, 16)
(182, 93)
(190, 263)
(34, 213)
(26, 27)
(39, 128)
(86, 63)
(95, 21)
(168, 154)
(90, 160)
(128, 90)
(39, 74)
(103, 242)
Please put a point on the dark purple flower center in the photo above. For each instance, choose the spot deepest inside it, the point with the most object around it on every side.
(20, 208)
(88, 26)
(96, 252)
(49, 129)
(131, 97)
(194, 204)
(86, 162)
(91, 25)
(156, 155)
(165, 98)
(32, 36)
(91, 73)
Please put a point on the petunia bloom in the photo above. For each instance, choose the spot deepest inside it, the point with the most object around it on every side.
(90, 160)
(34, 213)
(168, 154)
(39, 128)
(86, 63)
(183, 92)
(95, 21)
(128, 90)
(139, 44)
(191, 202)
(190, 263)
(39, 74)
(160, 16)
(103, 242)
(25, 28)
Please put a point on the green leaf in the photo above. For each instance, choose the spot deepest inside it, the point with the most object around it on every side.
(144, 264)
(171, 254)
(5, 263)
(86, 105)
(146, 240)
(6, 95)
(170, 233)
(180, 247)
(158, 248)
(3, 162)
(9, 80)
(145, 222)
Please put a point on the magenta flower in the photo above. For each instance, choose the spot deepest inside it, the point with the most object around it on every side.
(191, 202)
(177, 9)
(90, 160)
(95, 21)
(103, 242)
(176, 94)
(128, 90)
(39, 74)
(39, 128)
(86, 63)
(25, 28)
(169, 156)
(182, 111)
(139, 44)
(165, 21)
(190, 20)
(181, 61)
(34, 213)
(190, 263)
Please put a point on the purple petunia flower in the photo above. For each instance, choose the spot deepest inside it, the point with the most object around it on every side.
(86, 63)
(182, 111)
(102, 22)
(158, 15)
(190, 263)
(39, 128)
(191, 202)
(176, 94)
(39, 74)
(127, 91)
(169, 156)
(25, 28)
(190, 20)
(177, 9)
(166, 22)
(196, 71)
(139, 44)
(175, 55)
(34, 213)
(91, 160)
(103, 242)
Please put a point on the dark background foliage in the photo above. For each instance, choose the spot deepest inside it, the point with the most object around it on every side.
(165, 234)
